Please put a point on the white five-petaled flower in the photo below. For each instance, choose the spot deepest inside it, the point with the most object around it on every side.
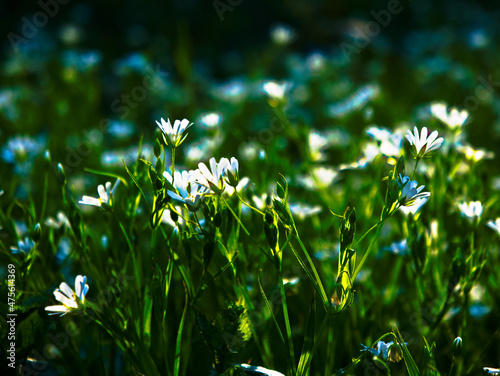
(409, 191)
(471, 210)
(495, 225)
(492, 371)
(189, 192)
(174, 135)
(421, 144)
(454, 119)
(213, 178)
(106, 193)
(70, 300)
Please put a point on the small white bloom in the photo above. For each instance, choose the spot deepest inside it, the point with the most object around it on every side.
(454, 119)
(409, 191)
(475, 155)
(303, 211)
(275, 90)
(174, 135)
(105, 195)
(471, 210)
(211, 119)
(213, 178)
(319, 178)
(421, 144)
(189, 192)
(389, 143)
(231, 171)
(259, 371)
(70, 300)
(415, 207)
(492, 371)
(61, 221)
(495, 225)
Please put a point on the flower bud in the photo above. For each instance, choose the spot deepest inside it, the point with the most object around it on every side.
(157, 149)
(37, 233)
(456, 348)
(61, 175)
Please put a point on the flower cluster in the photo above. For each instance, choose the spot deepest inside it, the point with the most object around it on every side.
(70, 300)
(189, 187)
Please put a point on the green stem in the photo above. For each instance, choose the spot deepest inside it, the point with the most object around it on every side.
(132, 252)
(311, 264)
(173, 166)
(250, 206)
(415, 169)
(287, 321)
(365, 256)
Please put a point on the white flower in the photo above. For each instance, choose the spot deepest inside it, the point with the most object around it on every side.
(471, 210)
(389, 143)
(495, 225)
(492, 371)
(276, 90)
(423, 145)
(475, 155)
(213, 178)
(259, 371)
(62, 220)
(211, 119)
(174, 135)
(231, 170)
(454, 119)
(105, 196)
(302, 211)
(415, 207)
(409, 191)
(70, 300)
(319, 177)
(188, 192)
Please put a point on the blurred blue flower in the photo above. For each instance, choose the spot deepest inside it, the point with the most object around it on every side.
(134, 62)
(81, 61)
(23, 246)
(356, 101)
(21, 151)
(121, 129)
